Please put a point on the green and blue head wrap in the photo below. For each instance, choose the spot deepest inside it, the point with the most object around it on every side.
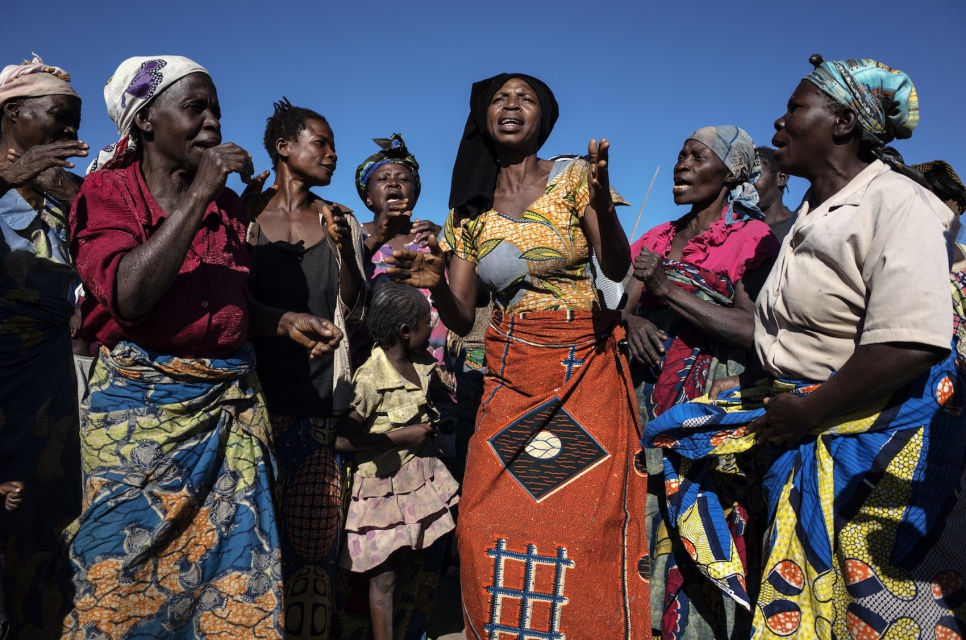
(884, 98)
(393, 150)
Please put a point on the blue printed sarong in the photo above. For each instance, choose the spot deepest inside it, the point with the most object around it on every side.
(177, 537)
(866, 533)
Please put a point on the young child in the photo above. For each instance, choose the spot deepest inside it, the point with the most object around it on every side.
(401, 492)
(11, 496)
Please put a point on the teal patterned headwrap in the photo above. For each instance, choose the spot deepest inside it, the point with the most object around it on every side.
(884, 98)
(393, 150)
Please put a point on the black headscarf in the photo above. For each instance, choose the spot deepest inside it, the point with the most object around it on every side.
(476, 168)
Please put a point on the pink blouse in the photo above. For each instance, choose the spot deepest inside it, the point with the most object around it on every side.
(729, 250)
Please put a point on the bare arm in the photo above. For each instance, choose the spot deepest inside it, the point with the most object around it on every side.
(146, 272)
(644, 340)
(734, 324)
(600, 223)
(318, 335)
(351, 436)
(351, 281)
(455, 301)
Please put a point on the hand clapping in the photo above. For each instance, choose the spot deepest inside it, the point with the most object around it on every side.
(418, 268)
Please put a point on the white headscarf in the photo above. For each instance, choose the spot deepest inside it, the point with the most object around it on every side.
(136, 82)
(34, 79)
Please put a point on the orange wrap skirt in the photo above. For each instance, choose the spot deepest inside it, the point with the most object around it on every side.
(551, 530)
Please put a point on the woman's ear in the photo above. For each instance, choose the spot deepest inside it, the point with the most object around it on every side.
(405, 331)
(11, 109)
(846, 123)
(142, 121)
(281, 148)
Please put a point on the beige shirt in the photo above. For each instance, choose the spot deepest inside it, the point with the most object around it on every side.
(868, 266)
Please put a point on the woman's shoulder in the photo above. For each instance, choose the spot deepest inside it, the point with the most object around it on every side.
(568, 168)
(751, 240)
(751, 229)
(890, 193)
(107, 179)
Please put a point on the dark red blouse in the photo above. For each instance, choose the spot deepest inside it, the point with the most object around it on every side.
(204, 313)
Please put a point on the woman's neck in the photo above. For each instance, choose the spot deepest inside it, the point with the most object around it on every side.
(7, 142)
(292, 192)
(703, 215)
(834, 176)
(777, 212)
(518, 172)
(165, 181)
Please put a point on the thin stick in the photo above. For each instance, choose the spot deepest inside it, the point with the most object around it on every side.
(638, 221)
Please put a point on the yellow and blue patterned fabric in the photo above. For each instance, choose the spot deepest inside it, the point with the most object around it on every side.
(884, 98)
(866, 534)
(38, 411)
(177, 537)
(539, 261)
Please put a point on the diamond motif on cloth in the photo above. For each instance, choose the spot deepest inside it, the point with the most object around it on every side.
(574, 450)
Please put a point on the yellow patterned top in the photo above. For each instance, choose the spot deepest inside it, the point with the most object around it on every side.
(388, 401)
(540, 261)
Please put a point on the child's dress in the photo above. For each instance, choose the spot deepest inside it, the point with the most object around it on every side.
(400, 498)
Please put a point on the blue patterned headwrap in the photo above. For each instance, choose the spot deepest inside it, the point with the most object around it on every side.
(884, 98)
(735, 148)
(393, 150)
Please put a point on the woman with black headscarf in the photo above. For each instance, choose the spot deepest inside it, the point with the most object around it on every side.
(549, 537)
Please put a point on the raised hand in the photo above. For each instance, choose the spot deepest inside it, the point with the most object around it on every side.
(418, 268)
(424, 228)
(390, 220)
(649, 269)
(254, 198)
(337, 226)
(319, 336)
(26, 166)
(598, 179)
(216, 164)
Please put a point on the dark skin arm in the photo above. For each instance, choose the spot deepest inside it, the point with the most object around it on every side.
(734, 324)
(146, 273)
(351, 282)
(873, 372)
(600, 223)
(351, 436)
(455, 302)
(49, 160)
(319, 336)
(644, 340)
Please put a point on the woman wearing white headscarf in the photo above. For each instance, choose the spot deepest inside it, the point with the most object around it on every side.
(177, 537)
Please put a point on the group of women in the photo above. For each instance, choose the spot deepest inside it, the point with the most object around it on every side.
(799, 401)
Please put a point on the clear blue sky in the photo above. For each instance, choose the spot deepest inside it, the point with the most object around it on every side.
(643, 74)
